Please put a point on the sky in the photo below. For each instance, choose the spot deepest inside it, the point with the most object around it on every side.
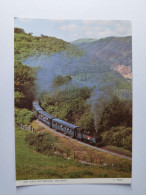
(70, 30)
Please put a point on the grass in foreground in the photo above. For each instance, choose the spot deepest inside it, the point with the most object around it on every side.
(33, 165)
(84, 152)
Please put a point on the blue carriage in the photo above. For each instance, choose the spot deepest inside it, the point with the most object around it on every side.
(65, 127)
(36, 108)
(45, 117)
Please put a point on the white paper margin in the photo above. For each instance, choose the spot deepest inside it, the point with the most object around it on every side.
(74, 181)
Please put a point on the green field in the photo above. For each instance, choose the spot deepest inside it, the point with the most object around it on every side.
(34, 165)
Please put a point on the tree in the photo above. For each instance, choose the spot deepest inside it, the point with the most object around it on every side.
(19, 30)
(24, 85)
(23, 116)
(119, 136)
(19, 99)
(68, 104)
(116, 113)
(31, 33)
(86, 121)
(98, 108)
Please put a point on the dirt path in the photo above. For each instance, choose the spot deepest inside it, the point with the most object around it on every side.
(85, 144)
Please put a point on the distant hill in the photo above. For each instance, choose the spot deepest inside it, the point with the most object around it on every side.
(113, 51)
(80, 41)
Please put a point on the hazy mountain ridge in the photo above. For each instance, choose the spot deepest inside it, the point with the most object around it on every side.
(113, 51)
(80, 41)
(89, 62)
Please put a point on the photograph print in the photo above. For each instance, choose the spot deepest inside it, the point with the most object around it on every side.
(73, 101)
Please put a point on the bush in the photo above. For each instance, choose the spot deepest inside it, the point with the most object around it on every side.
(43, 142)
(118, 136)
(69, 105)
(23, 116)
(18, 30)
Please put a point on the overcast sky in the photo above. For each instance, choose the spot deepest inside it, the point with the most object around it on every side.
(70, 30)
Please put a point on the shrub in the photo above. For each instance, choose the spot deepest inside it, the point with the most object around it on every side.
(43, 142)
(23, 116)
(120, 136)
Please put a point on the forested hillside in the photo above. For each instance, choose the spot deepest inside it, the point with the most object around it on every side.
(114, 51)
(27, 45)
(111, 50)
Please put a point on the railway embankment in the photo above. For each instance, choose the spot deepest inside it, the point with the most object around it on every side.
(110, 150)
(82, 151)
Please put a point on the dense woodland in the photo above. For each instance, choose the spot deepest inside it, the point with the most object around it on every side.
(110, 119)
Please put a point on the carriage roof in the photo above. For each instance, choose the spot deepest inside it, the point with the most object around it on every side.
(37, 106)
(45, 114)
(72, 126)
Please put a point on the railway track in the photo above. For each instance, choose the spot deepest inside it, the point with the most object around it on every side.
(83, 143)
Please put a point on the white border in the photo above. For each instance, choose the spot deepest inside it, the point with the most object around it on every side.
(134, 10)
(74, 181)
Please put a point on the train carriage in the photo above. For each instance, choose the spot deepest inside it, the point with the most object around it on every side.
(45, 117)
(62, 126)
(65, 127)
(36, 107)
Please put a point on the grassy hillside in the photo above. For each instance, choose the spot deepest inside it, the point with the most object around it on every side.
(31, 164)
(28, 45)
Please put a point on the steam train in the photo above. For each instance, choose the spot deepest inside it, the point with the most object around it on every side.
(62, 126)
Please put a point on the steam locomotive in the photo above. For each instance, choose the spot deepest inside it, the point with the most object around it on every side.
(62, 126)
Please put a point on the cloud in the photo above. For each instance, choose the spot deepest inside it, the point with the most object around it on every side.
(106, 33)
(106, 28)
(69, 27)
(96, 28)
(75, 36)
(76, 29)
(124, 27)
